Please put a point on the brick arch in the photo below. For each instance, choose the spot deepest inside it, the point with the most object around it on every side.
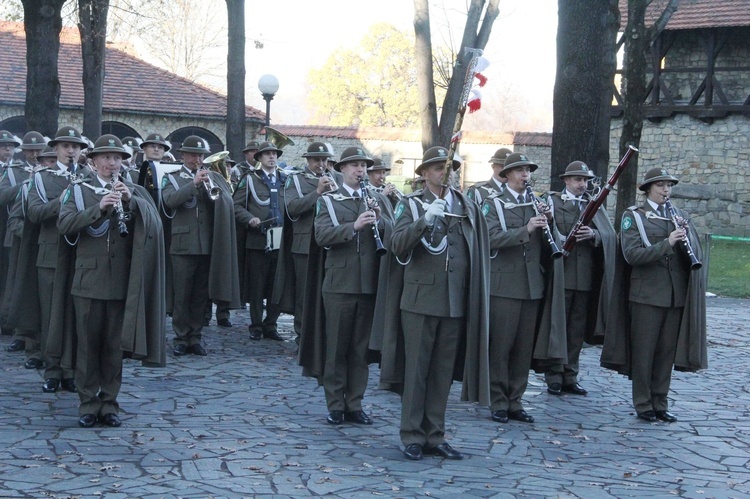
(15, 125)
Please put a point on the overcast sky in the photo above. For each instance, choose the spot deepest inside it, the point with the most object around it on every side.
(300, 34)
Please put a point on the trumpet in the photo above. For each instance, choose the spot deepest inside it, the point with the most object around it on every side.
(122, 217)
(681, 223)
(334, 184)
(370, 204)
(556, 253)
(211, 188)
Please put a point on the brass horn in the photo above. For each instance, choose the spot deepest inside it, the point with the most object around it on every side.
(279, 139)
(218, 163)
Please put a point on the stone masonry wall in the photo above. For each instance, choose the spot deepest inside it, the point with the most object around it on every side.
(711, 161)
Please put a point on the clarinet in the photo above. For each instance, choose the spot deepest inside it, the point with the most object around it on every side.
(695, 264)
(556, 253)
(371, 201)
(121, 217)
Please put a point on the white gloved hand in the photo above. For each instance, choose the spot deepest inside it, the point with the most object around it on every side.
(435, 210)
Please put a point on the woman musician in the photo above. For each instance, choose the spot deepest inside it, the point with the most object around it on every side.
(666, 298)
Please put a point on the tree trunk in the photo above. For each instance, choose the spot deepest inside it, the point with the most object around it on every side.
(42, 23)
(474, 37)
(586, 64)
(638, 40)
(92, 24)
(236, 79)
(425, 80)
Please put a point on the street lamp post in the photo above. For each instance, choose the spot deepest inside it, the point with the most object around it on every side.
(268, 86)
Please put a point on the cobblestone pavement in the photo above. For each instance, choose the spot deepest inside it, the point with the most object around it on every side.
(244, 422)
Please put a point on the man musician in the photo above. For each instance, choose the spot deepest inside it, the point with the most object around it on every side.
(108, 218)
(260, 208)
(377, 173)
(496, 184)
(238, 171)
(589, 274)
(203, 244)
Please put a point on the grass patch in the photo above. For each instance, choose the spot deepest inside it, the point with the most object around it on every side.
(729, 268)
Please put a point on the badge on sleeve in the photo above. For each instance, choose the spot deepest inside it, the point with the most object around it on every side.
(164, 181)
(627, 222)
(242, 182)
(288, 182)
(318, 206)
(399, 209)
(67, 195)
(485, 209)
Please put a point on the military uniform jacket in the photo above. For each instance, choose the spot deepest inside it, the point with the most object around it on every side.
(653, 267)
(43, 209)
(658, 276)
(419, 281)
(351, 265)
(252, 198)
(515, 267)
(204, 227)
(192, 225)
(481, 191)
(301, 196)
(10, 185)
(102, 256)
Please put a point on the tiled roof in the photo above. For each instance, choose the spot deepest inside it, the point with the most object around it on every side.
(130, 84)
(387, 134)
(693, 14)
(532, 139)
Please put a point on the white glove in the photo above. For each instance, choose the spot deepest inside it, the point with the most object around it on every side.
(435, 210)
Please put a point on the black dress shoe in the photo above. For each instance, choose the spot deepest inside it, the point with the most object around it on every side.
(197, 349)
(665, 416)
(500, 416)
(444, 450)
(272, 334)
(50, 385)
(413, 452)
(180, 350)
(69, 385)
(359, 417)
(554, 389)
(256, 334)
(575, 389)
(335, 417)
(521, 415)
(111, 419)
(34, 364)
(647, 416)
(16, 346)
(224, 322)
(87, 420)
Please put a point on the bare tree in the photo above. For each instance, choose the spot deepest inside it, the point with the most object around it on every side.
(638, 40)
(586, 64)
(42, 23)
(480, 18)
(92, 24)
(236, 77)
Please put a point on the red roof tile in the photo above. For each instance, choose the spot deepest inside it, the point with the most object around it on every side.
(693, 14)
(532, 139)
(130, 84)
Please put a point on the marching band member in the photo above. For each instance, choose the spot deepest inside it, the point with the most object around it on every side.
(666, 300)
(377, 173)
(119, 256)
(203, 245)
(259, 207)
(437, 302)
(589, 274)
(346, 224)
(496, 184)
(245, 166)
(301, 194)
(55, 260)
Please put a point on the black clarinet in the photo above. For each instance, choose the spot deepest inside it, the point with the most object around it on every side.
(695, 264)
(121, 217)
(556, 252)
(371, 201)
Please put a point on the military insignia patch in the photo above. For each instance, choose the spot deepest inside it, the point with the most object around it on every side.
(242, 183)
(164, 181)
(288, 181)
(399, 210)
(485, 209)
(317, 206)
(67, 196)
(627, 223)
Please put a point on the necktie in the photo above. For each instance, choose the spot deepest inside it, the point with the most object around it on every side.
(272, 178)
(661, 211)
(355, 194)
(520, 198)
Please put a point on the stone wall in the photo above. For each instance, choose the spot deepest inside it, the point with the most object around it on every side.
(711, 161)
